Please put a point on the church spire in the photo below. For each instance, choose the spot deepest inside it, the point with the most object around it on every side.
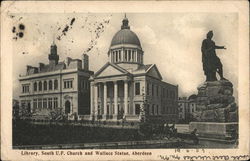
(125, 23)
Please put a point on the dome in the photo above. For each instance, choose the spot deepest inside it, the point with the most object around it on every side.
(125, 36)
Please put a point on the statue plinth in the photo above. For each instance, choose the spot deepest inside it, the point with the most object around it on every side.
(217, 112)
(216, 103)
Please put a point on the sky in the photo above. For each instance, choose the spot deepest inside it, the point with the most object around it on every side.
(172, 41)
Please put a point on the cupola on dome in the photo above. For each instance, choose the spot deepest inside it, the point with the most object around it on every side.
(125, 48)
(125, 35)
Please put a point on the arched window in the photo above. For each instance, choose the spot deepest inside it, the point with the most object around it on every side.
(56, 84)
(40, 86)
(45, 85)
(50, 85)
(35, 86)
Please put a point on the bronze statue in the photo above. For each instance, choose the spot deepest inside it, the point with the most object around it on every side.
(211, 62)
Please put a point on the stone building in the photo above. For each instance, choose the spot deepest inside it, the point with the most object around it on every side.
(126, 88)
(57, 85)
(187, 107)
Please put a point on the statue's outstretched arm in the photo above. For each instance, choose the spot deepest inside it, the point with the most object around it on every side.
(219, 47)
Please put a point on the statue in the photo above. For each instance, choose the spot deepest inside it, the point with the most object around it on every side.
(211, 62)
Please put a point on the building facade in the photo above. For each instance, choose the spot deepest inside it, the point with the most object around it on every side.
(126, 88)
(57, 85)
(187, 107)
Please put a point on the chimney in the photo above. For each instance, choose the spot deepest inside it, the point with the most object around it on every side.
(85, 62)
(41, 65)
(68, 60)
(28, 67)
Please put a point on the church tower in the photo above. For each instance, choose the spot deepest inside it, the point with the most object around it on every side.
(125, 49)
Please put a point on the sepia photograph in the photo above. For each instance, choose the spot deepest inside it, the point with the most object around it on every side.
(81, 81)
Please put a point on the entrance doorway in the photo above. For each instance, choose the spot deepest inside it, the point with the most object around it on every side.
(67, 107)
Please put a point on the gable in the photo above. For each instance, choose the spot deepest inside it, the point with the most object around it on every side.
(153, 72)
(109, 70)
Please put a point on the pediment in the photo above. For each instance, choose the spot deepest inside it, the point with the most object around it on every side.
(154, 72)
(110, 70)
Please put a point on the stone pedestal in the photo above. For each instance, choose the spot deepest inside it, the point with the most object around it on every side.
(215, 130)
(217, 112)
(215, 102)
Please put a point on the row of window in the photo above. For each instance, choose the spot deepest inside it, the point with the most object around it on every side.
(68, 84)
(165, 92)
(50, 103)
(26, 88)
(128, 56)
(44, 86)
(49, 85)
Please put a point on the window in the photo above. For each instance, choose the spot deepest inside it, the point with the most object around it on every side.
(35, 86)
(25, 88)
(45, 103)
(68, 83)
(119, 55)
(55, 102)
(56, 84)
(133, 53)
(137, 88)
(126, 58)
(137, 109)
(157, 109)
(153, 109)
(129, 55)
(45, 85)
(40, 86)
(116, 56)
(50, 85)
(34, 103)
(50, 103)
(39, 103)
(157, 94)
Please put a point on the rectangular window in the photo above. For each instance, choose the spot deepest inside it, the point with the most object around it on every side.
(39, 103)
(116, 56)
(34, 103)
(55, 102)
(153, 109)
(137, 109)
(68, 84)
(137, 88)
(126, 58)
(157, 94)
(45, 103)
(50, 103)
(157, 109)
(25, 88)
(119, 55)
(129, 55)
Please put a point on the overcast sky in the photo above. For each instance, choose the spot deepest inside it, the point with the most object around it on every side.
(172, 41)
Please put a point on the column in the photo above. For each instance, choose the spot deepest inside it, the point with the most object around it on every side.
(95, 99)
(125, 97)
(115, 99)
(105, 99)
(136, 56)
(91, 99)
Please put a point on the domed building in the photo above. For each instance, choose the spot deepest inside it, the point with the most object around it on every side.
(127, 89)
